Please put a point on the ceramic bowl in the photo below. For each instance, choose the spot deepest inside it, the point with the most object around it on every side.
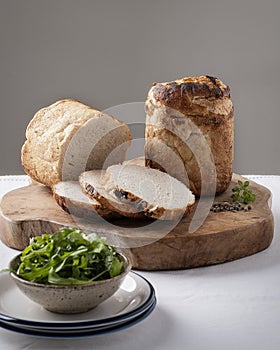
(70, 299)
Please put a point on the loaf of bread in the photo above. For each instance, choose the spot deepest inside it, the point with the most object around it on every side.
(189, 132)
(67, 138)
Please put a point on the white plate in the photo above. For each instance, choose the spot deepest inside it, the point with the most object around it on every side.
(77, 333)
(133, 298)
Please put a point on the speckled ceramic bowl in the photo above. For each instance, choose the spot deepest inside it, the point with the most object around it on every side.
(70, 299)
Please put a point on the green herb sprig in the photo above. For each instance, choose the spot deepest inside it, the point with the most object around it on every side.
(242, 193)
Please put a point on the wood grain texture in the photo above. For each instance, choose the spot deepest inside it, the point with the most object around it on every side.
(222, 237)
(27, 211)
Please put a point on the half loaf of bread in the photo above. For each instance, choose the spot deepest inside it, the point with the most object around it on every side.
(156, 194)
(67, 138)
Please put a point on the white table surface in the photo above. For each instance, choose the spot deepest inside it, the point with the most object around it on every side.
(235, 305)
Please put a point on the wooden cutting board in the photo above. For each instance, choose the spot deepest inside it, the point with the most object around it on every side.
(223, 236)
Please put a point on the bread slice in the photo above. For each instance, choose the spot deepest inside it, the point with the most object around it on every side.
(152, 191)
(71, 198)
(91, 184)
(67, 138)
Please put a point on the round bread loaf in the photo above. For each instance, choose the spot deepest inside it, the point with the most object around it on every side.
(190, 132)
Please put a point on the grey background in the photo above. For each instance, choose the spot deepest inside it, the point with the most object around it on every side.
(106, 53)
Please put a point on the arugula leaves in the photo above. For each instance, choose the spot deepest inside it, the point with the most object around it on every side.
(68, 257)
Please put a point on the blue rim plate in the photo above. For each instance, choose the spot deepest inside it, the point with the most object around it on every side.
(134, 297)
(47, 333)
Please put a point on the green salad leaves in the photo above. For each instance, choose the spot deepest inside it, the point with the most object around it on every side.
(68, 257)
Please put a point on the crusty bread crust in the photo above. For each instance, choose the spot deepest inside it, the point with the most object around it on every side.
(49, 135)
(185, 115)
(197, 96)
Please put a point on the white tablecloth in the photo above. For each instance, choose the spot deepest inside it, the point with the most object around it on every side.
(235, 305)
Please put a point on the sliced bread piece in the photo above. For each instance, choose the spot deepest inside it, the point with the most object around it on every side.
(69, 137)
(152, 191)
(71, 198)
(91, 184)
